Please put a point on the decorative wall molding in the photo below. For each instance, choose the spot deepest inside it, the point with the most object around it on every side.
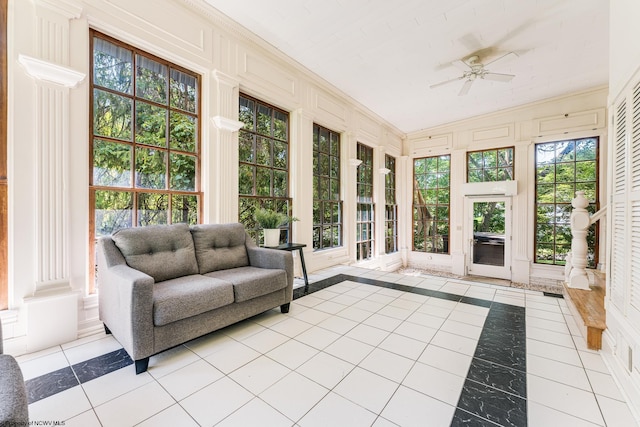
(61, 7)
(224, 123)
(50, 72)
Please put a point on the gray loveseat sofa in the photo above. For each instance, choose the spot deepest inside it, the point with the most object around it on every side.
(14, 407)
(160, 286)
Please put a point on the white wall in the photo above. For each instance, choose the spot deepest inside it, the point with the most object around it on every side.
(49, 129)
(571, 116)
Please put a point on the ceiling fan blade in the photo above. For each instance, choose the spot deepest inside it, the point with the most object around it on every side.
(455, 79)
(497, 77)
(465, 87)
(461, 65)
(506, 56)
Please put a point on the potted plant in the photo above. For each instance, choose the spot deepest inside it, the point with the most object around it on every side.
(271, 221)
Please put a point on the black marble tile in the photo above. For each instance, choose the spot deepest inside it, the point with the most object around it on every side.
(497, 376)
(510, 357)
(503, 335)
(49, 384)
(552, 295)
(464, 419)
(101, 365)
(476, 301)
(494, 405)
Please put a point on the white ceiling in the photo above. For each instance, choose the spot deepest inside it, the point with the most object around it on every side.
(386, 54)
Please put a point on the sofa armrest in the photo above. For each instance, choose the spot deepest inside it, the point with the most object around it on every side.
(14, 407)
(272, 258)
(126, 301)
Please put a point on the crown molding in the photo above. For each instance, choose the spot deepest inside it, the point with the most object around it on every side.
(50, 72)
(62, 7)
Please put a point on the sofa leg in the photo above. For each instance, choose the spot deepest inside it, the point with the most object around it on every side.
(284, 308)
(107, 330)
(142, 365)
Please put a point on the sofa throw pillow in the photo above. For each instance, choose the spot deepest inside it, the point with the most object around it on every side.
(161, 251)
(219, 246)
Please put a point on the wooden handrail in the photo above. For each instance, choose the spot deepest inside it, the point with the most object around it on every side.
(598, 215)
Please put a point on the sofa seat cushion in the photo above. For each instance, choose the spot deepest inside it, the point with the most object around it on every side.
(251, 282)
(219, 246)
(163, 251)
(177, 299)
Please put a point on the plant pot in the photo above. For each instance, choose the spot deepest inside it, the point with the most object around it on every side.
(271, 236)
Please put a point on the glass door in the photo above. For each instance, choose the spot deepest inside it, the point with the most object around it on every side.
(489, 236)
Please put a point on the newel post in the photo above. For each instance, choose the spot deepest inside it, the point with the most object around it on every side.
(580, 222)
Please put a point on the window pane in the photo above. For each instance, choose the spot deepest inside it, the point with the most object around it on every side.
(246, 180)
(112, 115)
(151, 124)
(111, 164)
(586, 149)
(431, 204)
(263, 152)
(263, 123)
(490, 165)
(263, 182)
(246, 147)
(113, 210)
(150, 168)
(586, 171)
(184, 208)
(151, 80)
(183, 135)
(280, 130)
(112, 66)
(247, 113)
(326, 188)
(152, 208)
(280, 155)
(183, 91)
(182, 172)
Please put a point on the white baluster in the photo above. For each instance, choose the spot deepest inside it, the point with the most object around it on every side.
(580, 222)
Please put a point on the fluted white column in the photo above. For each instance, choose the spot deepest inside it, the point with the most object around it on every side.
(52, 309)
(580, 222)
(223, 157)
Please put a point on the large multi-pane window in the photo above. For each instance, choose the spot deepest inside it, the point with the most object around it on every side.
(562, 168)
(144, 143)
(327, 206)
(364, 203)
(264, 163)
(490, 165)
(431, 191)
(391, 206)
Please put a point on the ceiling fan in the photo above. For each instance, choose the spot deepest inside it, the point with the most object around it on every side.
(472, 69)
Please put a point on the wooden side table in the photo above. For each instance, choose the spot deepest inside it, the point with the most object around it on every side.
(295, 247)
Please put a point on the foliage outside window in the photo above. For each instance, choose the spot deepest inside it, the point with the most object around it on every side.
(391, 207)
(431, 191)
(490, 165)
(145, 139)
(562, 168)
(264, 163)
(365, 224)
(327, 206)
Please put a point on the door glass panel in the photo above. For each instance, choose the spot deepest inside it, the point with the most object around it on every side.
(488, 233)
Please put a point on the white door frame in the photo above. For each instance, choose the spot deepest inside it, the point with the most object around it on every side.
(501, 272)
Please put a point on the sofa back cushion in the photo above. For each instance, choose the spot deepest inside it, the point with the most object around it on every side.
(161, 251)
(220, 246)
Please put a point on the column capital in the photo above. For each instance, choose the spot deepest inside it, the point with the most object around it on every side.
(50, 72)
(224, 123)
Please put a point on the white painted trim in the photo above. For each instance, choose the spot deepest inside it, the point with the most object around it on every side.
(506, 188)
(224, 123)
(50, 72)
